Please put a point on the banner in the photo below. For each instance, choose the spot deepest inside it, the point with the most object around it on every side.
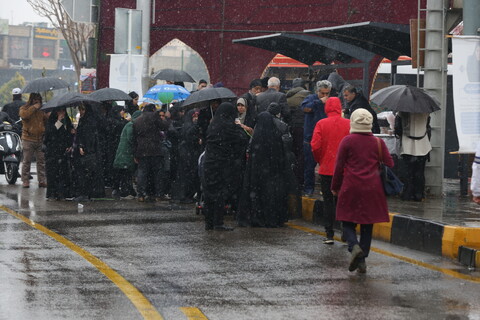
(466, 90)
(119, 77)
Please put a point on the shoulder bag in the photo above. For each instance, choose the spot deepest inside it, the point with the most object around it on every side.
(391, 183)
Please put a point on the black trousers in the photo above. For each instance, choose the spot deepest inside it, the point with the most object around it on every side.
(414, 187)
(328, 204)
(351, 236)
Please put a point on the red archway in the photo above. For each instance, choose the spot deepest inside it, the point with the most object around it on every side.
(209, 26)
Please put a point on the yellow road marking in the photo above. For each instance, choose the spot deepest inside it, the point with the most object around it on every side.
(449, 272)
(141, 303)
(193, 313)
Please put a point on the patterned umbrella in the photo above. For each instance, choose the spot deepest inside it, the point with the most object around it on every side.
(166, 93)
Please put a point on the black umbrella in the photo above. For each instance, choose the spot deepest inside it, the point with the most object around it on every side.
(69, 99)
(173, 75)
(208, 94)
(110, 94)
(44, 84)
(406, 99)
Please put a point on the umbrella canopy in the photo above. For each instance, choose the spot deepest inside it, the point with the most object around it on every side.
(208, 94)
(44, 84)
(173, 75)
(166, 93)
(109, 94)
(406, 99)
(69, 99)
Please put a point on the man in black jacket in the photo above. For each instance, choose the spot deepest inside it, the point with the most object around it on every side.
(13, 107)
(273, 95)
(149, 151)
(354, 101)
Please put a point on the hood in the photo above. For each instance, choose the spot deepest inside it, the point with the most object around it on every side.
(333, 107)
(338, 83)
(136, 114)
(294, 91)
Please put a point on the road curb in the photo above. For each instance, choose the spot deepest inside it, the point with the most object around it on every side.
(456, 242)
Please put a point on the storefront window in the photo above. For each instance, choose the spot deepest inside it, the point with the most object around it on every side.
(43, 48)
(18, 47)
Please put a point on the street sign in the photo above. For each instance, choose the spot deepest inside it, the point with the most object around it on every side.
(78, 10)
(128, 27)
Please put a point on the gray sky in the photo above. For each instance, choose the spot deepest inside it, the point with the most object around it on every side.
(18, 11)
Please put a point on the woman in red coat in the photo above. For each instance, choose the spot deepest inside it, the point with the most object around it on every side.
(325, 141)
(356, 181)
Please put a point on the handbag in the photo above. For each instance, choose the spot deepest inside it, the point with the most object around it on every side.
(391, 183)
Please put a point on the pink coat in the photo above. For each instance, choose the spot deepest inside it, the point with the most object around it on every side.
(356, 179)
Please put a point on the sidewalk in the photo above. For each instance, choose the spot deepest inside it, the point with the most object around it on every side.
(448, 226)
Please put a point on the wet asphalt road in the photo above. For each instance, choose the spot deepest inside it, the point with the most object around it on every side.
(163, 251)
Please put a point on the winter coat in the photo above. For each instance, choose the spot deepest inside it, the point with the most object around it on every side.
(33, 121)
(13, 109)
(356, 179)
(327, 136)
(271, 95)
(362, 102)
(317, 113)
(295, 98)
(225, 146)
(414, 138)
(124, 156)
(148, 133)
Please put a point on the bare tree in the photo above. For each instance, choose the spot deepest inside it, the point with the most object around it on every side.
(76, 34)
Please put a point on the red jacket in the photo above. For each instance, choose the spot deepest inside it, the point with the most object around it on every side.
(327, 135)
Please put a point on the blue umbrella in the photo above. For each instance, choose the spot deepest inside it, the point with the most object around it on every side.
(166, 93)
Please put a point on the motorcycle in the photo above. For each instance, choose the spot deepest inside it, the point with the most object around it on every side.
(11, 150)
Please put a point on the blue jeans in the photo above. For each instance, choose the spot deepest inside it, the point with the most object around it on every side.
(351, 236)
(309, 168)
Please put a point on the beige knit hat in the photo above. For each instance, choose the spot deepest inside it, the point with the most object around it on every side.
(361, 121)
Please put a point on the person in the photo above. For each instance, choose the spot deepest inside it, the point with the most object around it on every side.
(295, 97)
(124, 162)
(247, 123)
(13, 108)
(413, 130)
(205, 116)
(115, 122)
(132, 105)
(187, 182)
(58, 139)
(356, 182)
(33, 123)
(313, 108)
(475, 184)
(264, 197)
(338, 85)
(222, 162)
(273, 94)
(86, 149)
(251, 100)
(202, 84)
(325, 141)
(149, 151)
(355, 100)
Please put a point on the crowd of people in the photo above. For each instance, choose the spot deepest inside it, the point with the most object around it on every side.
(248, 156)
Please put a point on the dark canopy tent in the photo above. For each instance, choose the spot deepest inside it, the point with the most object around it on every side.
(385, 39)
(309, 49)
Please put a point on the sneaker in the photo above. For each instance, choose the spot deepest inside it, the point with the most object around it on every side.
(357, 254)
(129, 197)
(25, 185)
(141, 199)
(328, 241)
(42, 185)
